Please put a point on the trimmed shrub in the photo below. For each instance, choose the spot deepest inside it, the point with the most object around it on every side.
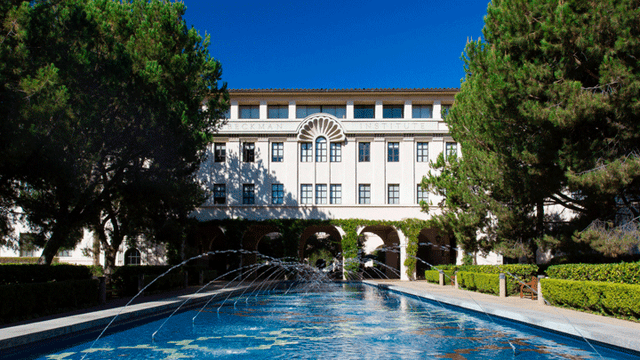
(434, 276)
(28, 273)
(484, 283)
(622, 273)
(25, 301)
(620, 300)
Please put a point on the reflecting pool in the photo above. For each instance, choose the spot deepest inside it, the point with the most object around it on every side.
(345, 321)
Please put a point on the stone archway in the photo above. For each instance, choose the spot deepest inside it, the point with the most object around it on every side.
(211, 238)
(392, 249)
(331, 232)
(250, 241)
(435, 248)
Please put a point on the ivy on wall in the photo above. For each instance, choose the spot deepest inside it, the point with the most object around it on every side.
(291, 230)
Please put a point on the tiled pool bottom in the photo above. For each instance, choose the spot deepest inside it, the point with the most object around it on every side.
(344, 321)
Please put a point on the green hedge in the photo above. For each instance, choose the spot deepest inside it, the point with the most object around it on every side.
(484, 283)
(28, 273)
(25, 301)
(523, 271)
(622, 273)
(434, 276)
(124, 280)
(23, 260)
(620, 300)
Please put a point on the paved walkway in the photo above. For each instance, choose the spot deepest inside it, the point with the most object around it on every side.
(606, 330)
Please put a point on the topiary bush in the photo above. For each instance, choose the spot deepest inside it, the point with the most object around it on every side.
(620, 300)
(622, 273)
(484, 283)
(29, 273)
(434, 276)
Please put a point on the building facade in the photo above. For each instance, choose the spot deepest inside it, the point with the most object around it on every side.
(326, 154)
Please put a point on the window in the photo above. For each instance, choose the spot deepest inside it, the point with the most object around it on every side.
(392, 111)
(248, 196)
(248, 152)
(445, 110)
(335, 152)
(364, 151)
(249, 112)
(278, 111)
(451, 150)
(422, 152)
(306, 152)
(26, 244)
(423, 195)
(219, 193)
(277, 152)
(321, 149)
(422, 111)
(306, 194)
(335, 196)
(339, 111)
(393, 152)
(132, 257)
(321, 194)
(393, 194)
(277, 193)
(364, 194)
(65, 252)
(363, 112)
(219, 152)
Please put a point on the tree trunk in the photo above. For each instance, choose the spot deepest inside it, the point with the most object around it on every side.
(58, 236)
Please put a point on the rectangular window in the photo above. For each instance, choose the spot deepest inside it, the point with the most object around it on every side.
(451, 150)
(321, 194)
(26, 244)
(364, 194)
(278, 111)
(393, 152)
(363, 112)
(335, 153)
(306, 152)
(339, 111)
(248, 152)
(392, 111)
(422, 152)
(219, 194)
(277, 194)
(444, 110)
(249, 112)
(393, 194)
(306, 194)
(423, 195)
(219, 152)
(248, 195)
(277, 152)
(422, 111)
(336, 194)
(65, 252)
(321, 149)
(364, 150)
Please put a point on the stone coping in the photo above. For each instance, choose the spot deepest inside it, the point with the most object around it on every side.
(619, 334)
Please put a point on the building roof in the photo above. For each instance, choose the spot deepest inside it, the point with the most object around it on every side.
(353, 90)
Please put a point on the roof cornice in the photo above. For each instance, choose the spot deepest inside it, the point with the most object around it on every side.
(443, 91)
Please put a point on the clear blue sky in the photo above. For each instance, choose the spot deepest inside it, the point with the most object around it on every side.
(338, 43)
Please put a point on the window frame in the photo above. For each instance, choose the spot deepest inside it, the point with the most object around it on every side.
(393, 194)
(219, 152)
(306, 151)
(393, 151)
(254, 111)
(335, 152)
(364, 194)
(321, 149)
(248, 152)
(450, 150)
(420, 109)
(280, 111)
(306, 194)
(422, 151)
(277, 151)
(135, 254)
(421, 194)
(248, 194)
(364, 151)
(361, 111)
(277, 194)
(335, 194)
(321, 194)
(391, 111)
(219, 194)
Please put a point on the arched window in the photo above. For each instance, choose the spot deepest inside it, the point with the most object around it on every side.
(321, 149)
(132, 257)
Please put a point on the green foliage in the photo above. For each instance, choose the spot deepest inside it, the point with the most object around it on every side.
(623, 273)
(619, 300)
(25, 301)
(548, 107)
(520, 270)
(433, 276)
(484, 283)
(31, 273)
(22, 260)
(124, 279)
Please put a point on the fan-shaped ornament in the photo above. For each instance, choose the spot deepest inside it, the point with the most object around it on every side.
(321, 125)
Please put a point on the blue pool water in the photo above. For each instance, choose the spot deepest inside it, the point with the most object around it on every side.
(343, 321)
